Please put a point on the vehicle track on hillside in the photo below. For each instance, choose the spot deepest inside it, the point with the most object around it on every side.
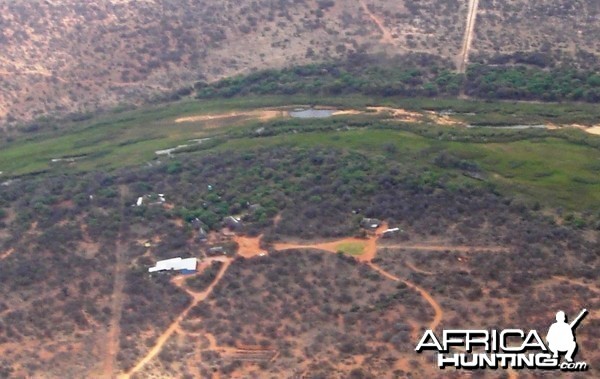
(468, 37)
(386, 34)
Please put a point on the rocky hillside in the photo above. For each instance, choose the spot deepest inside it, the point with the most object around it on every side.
(73, 56)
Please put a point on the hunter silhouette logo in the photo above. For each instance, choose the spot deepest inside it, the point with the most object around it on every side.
(561, 336)
(501, 349)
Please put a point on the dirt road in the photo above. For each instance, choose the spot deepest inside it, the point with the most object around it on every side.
(197, 297)
(116, 306)
(437, 309)
(386, 35)
(116, 310)
(443, 247)
(468, 37)
(260, 114)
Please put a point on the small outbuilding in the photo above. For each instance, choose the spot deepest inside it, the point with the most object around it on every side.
(233, 223)
(390, 232)
(370, 223)
(185, 266)
(215, 251)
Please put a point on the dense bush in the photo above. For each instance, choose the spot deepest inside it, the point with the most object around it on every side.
(417, 75)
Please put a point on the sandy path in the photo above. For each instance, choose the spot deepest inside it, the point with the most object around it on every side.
(399, 113)
(468, 37)
(439, 313)
(261, 114)
(164, 337)
(116, 311)
(277, 219)
(436, 247)
(7, 253)
(212, 341)
(593, 130)
(386, 36)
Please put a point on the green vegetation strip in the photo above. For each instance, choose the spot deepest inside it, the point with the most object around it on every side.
(555, 167)
(351, 248)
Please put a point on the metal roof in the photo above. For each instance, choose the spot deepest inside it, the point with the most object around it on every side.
(175, 264)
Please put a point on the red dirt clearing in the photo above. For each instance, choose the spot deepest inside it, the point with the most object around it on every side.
(249, 246)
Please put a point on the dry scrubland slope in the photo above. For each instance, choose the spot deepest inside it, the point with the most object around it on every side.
(565, 29)
(75, 56)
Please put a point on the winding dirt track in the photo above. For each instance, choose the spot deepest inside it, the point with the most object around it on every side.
(369, 253)
(164, 337)
(249, 247)
(386, 35)
(439, 313)
(468, 38)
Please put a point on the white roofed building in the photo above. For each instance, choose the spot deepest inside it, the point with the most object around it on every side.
(175, 264)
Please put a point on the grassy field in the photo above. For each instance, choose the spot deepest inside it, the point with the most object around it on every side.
(542, 165)
(351, 248)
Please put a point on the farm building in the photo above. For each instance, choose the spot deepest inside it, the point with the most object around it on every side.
(233, 223)
(187, 265)
(389, 232)
(370, 223)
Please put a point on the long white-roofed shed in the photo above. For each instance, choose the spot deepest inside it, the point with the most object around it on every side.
(178, 264)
